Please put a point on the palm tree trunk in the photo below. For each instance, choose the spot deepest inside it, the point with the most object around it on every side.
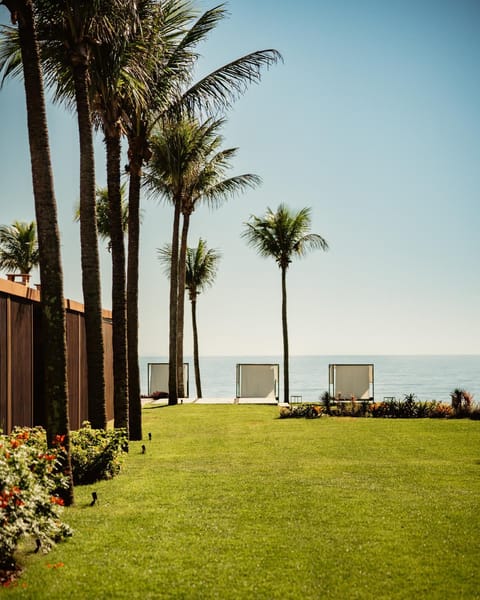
(97, 413)
(119, 332)
(182, 268)
(172, 365)
(286, 384)
(135, 405)
(51, 276)
(196, 360)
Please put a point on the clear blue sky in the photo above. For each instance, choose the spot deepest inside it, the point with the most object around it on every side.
(373, 121)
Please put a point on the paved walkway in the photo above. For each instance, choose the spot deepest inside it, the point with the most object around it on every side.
(164, 401)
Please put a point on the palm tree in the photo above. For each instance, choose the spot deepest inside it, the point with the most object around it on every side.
(68, 33)
(119, 78)
(283, 235)
(134, 79)
(51, 275)
(187, 167)
(127, 69)
(159, 22)
(18, 247)
(102, 213)
(201, 270)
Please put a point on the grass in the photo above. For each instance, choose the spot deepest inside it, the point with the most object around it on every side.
(232, 502)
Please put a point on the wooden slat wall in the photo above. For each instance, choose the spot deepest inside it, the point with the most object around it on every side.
(22, 363)
(108, 367)
(21, 388)
(4, 369)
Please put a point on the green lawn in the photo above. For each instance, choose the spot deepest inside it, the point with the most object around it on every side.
(232, 502)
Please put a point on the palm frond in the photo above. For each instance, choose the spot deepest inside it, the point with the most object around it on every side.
(18, 247)
(283, 234)
(164, 255)
(187, 164)
(10, 54)
(222, 87)
(218, 193)
(201, 268)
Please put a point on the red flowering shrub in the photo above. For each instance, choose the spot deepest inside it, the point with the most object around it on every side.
(29, 483)
(440, 410)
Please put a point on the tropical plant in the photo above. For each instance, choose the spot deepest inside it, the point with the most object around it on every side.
(163, 24)
(68, 31)
(440, 410)
(283, 235)
(409, 406)
(103, 213)
(96, 453)
(30, 481)
(307, 411)
(51, 274)
(188, 167)
(326, 401)
(172, 39)
(462, 402)
(200, 274)
(18, 247)
(138, 77)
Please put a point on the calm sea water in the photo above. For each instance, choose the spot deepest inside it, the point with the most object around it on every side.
(428, 377)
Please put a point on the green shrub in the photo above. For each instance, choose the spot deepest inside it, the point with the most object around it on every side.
(29, 483)
(326, 400)
(475, 412)
(355, 408)
(408, 408)
(462, 402)
(423, 409)
(96, 453)
(378, 409)
(308, 411)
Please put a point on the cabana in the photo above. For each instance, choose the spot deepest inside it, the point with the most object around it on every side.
(257, 381)
(351, 382)
(158, 378)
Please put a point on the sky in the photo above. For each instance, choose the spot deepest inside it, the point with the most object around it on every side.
(373, 121)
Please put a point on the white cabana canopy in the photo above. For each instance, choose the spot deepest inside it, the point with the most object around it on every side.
(257, 380)
(351, 381)
(158, 377)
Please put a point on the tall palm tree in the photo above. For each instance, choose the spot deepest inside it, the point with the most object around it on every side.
(172, 39)
(187, 167)
(162, 25)
(119, 78)
(68, 31)
(283, 235)
(18, 247)
(201, 270)
(51, 275)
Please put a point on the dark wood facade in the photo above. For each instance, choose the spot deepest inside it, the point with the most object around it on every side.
(21, 390)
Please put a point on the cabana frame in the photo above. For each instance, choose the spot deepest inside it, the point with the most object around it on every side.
(257, 380)
(347, 382)
(157, 377)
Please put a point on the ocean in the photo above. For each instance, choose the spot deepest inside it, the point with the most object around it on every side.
(428, 377)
